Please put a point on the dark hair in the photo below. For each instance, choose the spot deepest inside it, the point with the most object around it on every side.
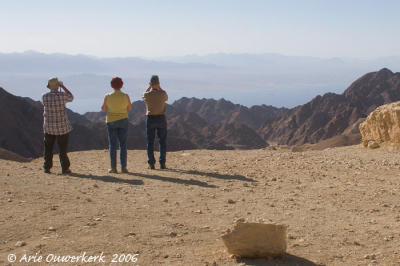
(117, 83)
(155, 80)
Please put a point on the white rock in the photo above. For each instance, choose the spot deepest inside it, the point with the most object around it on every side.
(20, 244)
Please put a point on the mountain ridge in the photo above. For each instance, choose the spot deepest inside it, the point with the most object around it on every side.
(214, 124)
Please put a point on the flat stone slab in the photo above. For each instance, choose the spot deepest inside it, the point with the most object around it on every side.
(256, 240)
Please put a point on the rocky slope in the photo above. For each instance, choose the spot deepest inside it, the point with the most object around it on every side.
(215, 124)
(332, 114)
(187, 130)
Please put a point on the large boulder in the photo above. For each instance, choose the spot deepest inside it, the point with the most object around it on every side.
(382, 126)
(256, 240)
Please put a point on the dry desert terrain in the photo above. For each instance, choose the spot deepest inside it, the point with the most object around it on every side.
(341, 206)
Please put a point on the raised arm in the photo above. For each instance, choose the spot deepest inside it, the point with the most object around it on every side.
(65, 89)
(104, 106)
(70, 97)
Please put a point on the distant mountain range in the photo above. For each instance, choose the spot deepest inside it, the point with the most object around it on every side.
(246, 79)
(213, 124)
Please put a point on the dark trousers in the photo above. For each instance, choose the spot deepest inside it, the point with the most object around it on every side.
(156, 124)
(62, 141)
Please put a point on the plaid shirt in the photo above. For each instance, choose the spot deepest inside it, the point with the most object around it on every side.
(55, 120)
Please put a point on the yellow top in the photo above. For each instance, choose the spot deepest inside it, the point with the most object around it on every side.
(117, 104)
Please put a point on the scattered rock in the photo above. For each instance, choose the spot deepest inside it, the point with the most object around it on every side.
(297, 149)
(51, 229)
(231, 201)
(172, 234)
(256, 240)
(373, 145)
(165, 200)
(239, 220)
(370, 257)
(20, 244)
(131, 234)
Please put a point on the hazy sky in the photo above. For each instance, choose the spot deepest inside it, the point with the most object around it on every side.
(324, 28)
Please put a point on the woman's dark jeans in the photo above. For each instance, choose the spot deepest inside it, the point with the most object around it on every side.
(156, 124)
(117, 132)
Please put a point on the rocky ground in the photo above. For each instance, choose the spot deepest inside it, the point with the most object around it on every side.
(341, 206)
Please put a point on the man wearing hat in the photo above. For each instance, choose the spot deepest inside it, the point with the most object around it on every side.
(155, 99)
(56, 125)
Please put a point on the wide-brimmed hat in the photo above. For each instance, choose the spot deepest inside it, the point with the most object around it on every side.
(53, 83)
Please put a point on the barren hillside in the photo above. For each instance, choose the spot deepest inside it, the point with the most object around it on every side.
(341, 206)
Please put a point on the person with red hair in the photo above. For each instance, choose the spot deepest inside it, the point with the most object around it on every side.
(117, 104)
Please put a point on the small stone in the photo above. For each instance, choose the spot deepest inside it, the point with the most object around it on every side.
(166, 256)
(373, 145)
(198, 211)
(98, 219)
(89, 200)
(172, 234)
(231, 201)
(273, 179)
(96, 186)
(20, 244)
(165, 200)
(51, 229)
(370, 256)
(9, 200)
(131, 234)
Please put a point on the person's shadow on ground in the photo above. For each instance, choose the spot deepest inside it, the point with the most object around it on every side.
(212, 175)
(111, 179)
(285, 260)
(191, 182)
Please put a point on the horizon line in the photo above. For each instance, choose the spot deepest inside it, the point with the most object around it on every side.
(166, 57)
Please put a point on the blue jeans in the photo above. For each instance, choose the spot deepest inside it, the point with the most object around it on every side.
(117, 132)
(157, 123)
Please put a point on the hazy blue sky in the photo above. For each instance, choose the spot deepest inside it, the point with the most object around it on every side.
(356, 28)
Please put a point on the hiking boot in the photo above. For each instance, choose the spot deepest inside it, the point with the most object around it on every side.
(163, 166)
(66, 172)
(47, 171)
(151, 166)
(113, 171)
(124, 170)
